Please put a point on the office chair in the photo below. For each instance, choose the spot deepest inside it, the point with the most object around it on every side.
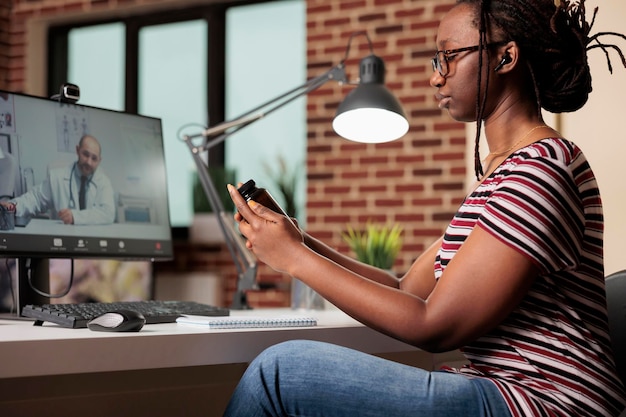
(616, 303)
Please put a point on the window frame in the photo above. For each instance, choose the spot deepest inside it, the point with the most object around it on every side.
(215, 17)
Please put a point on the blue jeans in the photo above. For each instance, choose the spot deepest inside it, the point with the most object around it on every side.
(305, 378)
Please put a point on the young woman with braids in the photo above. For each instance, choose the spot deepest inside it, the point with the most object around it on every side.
(517, 280)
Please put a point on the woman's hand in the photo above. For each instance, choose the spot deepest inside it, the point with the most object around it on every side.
(272, 237)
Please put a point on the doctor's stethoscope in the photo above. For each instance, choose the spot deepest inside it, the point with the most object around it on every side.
(72, 203)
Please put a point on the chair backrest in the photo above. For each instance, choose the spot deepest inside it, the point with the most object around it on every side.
(616, 302)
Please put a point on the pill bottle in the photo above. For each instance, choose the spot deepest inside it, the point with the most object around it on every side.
(302, 296)
(7, 217)
(249, 191)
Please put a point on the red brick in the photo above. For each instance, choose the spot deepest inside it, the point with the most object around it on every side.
(449, 186)
(421, 143)
(412, 13)
(410, 159)
(353, 175)
(409, 188)
(347, 5)
(373, 160)
(372, 188)
(426, 202)
(372, 17)
(336, 219)
(390, 173)
(336, 190)
(353, 204)
(406, 218)
(389, 203)
(376, 218)
(450, 156)
(427, 172)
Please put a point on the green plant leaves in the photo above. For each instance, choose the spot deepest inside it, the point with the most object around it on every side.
(377, 245)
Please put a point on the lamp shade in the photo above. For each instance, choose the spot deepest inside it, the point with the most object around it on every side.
(370, 113)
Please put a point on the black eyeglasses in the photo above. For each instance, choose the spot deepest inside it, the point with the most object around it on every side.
(440, 60)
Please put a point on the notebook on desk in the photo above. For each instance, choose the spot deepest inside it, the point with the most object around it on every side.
(248, 322)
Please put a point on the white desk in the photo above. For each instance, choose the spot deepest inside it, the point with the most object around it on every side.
(53, 350)
(63, 371)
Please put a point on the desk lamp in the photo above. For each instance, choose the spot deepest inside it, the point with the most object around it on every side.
(369, 114)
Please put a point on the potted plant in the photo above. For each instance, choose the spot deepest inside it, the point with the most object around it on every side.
(377, 245)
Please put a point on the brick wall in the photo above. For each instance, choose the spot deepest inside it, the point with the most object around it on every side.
(5, 19)
(417, 181)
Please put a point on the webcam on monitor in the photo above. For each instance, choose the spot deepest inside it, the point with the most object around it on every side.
(69, 93)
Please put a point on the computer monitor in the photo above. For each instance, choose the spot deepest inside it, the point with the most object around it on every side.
(124, 213)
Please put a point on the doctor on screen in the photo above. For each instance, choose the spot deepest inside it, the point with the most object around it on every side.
(76, 194)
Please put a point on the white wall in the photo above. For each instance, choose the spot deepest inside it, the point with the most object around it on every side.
(599, 129)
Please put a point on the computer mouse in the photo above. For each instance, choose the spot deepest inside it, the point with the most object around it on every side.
(117, 321)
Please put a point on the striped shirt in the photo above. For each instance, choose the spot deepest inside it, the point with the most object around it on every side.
(552, 355)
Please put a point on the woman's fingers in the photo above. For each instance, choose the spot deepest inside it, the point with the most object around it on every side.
(251, 209)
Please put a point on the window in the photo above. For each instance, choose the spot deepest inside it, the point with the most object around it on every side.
(197, 66)
(172, 85)
(264, 60)
(99, 72)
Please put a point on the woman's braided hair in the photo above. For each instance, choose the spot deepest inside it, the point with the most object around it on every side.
(554, 40)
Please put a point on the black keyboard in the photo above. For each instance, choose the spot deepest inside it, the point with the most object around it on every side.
(76, 316)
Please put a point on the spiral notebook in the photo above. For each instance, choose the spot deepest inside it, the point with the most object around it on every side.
(248, 322)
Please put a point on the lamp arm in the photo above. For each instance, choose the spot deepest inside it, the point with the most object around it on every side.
(217, 134)
(245, 262)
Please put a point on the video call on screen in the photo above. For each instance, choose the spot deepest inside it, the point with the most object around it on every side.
(40, 134)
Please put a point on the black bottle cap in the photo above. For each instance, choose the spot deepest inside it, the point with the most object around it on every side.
(247, 189)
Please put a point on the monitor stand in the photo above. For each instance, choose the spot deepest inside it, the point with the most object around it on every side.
(23, 292)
